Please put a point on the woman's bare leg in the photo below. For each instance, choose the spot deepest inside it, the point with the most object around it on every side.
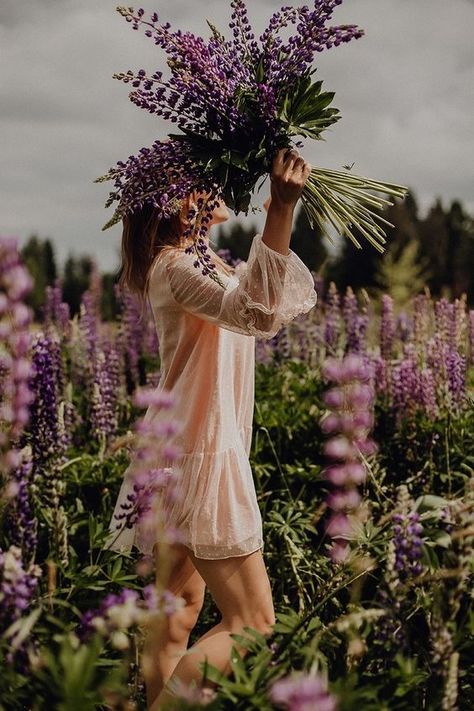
(241, 590)
(163, 646)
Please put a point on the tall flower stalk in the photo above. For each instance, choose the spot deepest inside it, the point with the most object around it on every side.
(15, 356)
(153, 487)
(348, 421)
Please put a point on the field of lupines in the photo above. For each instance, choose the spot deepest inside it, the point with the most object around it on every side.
(363, 457)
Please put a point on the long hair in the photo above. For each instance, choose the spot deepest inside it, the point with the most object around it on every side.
(145, 235)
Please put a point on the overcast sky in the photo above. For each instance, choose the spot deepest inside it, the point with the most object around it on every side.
(405, 92)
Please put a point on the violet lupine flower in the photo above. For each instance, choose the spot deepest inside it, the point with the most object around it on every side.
(280, 344)
(382, 375)
(15, 363)
(403, 327)
(355, 323)
(302, 692)
(318, 282)
(303, 342)
(132, 334)
(444, 314)
(226, 255)
(458, 326)
(44, 427)
(53, 300)
(154, 488)
(119, 612)
(103, 405)
(471, 335)
(350, 310)
(407, 540)
(140, 501)
(112, 357)
(263, 351)
(359, 333)
(428, 393)
(55, 310)
(422, 317)
(405, 383)
(407, 530)
(89, 325)
(228, 93)
(312, 37)
(18, 586)
(333, 317)
(455, 368)
(349, 421)
(21, 521)
(151, 343)
(387, 327)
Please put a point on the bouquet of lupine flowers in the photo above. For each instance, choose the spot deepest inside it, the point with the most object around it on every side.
(236, 103)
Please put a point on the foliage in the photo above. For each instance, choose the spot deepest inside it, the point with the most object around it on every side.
(390, 627)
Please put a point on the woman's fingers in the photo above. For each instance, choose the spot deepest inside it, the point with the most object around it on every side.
(284, 159)
(279, 159)
(288, 177)
(299, 164)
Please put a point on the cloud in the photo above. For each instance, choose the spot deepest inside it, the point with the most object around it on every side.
(402, 90)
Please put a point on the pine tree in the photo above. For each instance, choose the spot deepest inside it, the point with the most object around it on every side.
(76, 279)
(404, 276)
(38, 256)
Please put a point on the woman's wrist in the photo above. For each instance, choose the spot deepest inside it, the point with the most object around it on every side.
(278, 227)
(282, 208)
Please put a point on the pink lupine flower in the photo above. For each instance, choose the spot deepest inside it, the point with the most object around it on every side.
(349, 421)
(302, 692)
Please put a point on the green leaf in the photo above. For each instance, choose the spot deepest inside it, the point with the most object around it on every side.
(116, 568)
(430, 501)
(24, 626)
(443, 539)
(238, 666)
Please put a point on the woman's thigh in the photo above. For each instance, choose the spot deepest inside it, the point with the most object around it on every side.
(240, 588)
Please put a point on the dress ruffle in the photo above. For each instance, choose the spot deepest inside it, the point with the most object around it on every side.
(214, 509)
(281, 298)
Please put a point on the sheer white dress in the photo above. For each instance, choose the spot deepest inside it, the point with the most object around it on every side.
(207, 349)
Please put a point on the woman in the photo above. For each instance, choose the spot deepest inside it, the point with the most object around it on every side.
(207, 348)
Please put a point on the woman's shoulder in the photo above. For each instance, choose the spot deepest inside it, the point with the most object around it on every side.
(168, 254)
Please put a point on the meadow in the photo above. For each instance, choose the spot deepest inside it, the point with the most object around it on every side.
(363, 458)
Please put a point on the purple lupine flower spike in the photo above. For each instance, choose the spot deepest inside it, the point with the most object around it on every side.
(407, 531)
(333, 318)
(154, 481)
(348, 421)
(22, 522)
(387, 327)
(18, 588)
(15, 363)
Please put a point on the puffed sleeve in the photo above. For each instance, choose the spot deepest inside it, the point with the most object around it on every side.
(272, 290)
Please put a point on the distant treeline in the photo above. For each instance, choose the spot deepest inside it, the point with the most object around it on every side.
(435, 252)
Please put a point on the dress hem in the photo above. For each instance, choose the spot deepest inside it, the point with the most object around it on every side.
(223, 557)
(134, 544)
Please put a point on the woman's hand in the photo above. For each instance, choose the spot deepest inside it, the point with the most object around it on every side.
(289, 174)
(288, 177)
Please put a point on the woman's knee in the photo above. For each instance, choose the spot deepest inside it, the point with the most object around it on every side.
(185, 582)
(194, 602)
(241, 590)
(260, 619)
